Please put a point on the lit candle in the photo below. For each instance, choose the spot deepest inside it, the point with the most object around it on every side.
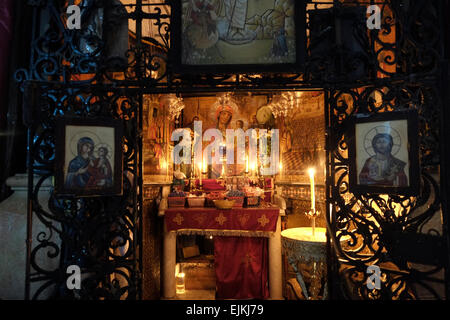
(180, 283)
(167, 169)
(246, 164)
(281, 169)
(313, 198)
(204, 165)
(313, 201)
(200, 172)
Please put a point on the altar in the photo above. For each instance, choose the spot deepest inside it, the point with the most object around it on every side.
(249, 229)
(210, 158)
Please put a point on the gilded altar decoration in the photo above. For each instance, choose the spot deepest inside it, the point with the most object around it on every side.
(178, 219)
(243, 219)
(263, 220)
(221, 219)
(158, 113)
(200, 218)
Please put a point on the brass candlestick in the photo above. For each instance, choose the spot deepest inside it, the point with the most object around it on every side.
(313, 214)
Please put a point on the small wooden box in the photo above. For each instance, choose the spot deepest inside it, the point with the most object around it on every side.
(195, 202)
(189, 252)
(252, 201)
(176, 201)
(238, 201)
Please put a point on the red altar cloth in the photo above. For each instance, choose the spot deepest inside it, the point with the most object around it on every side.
(241, 268)
(241, 263)
(236, 221)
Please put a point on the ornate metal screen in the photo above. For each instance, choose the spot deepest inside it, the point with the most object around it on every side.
(123, 51)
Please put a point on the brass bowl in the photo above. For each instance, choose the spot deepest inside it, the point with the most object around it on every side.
(224, 204)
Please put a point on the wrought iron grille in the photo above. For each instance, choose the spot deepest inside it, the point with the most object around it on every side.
(80, 73)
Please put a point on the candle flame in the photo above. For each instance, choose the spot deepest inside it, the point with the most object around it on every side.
(311, 171)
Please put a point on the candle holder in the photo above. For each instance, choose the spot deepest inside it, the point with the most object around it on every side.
(313, 214)
(192, 185)
(308, 258)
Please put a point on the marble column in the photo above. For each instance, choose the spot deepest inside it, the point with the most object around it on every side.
(275, 264)
(169, 264)
(169, 255)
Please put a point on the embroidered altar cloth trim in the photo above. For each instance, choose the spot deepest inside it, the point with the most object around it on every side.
(250, 222)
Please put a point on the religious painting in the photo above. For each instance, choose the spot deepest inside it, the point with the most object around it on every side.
(384, 153)
(302, 139)
(156, 139)
(222, 112)
(231, 34)
(88, 157)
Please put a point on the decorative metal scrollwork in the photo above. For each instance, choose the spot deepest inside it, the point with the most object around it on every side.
(360, 70)
(378, 228)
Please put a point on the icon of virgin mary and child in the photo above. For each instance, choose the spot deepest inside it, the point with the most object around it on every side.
(87, 171)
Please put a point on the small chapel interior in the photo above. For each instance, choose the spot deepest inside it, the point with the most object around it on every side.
(207, 265)
(225, 150)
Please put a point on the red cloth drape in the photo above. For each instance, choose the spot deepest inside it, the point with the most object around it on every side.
(241, 265)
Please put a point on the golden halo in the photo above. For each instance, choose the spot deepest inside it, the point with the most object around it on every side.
(82, 134)
(104, 145)
(233, 106)
(397, 140)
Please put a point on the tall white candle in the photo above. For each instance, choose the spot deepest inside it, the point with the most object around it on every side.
(311, 180)
(204, 168)
(246, 164)
(313, 201)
